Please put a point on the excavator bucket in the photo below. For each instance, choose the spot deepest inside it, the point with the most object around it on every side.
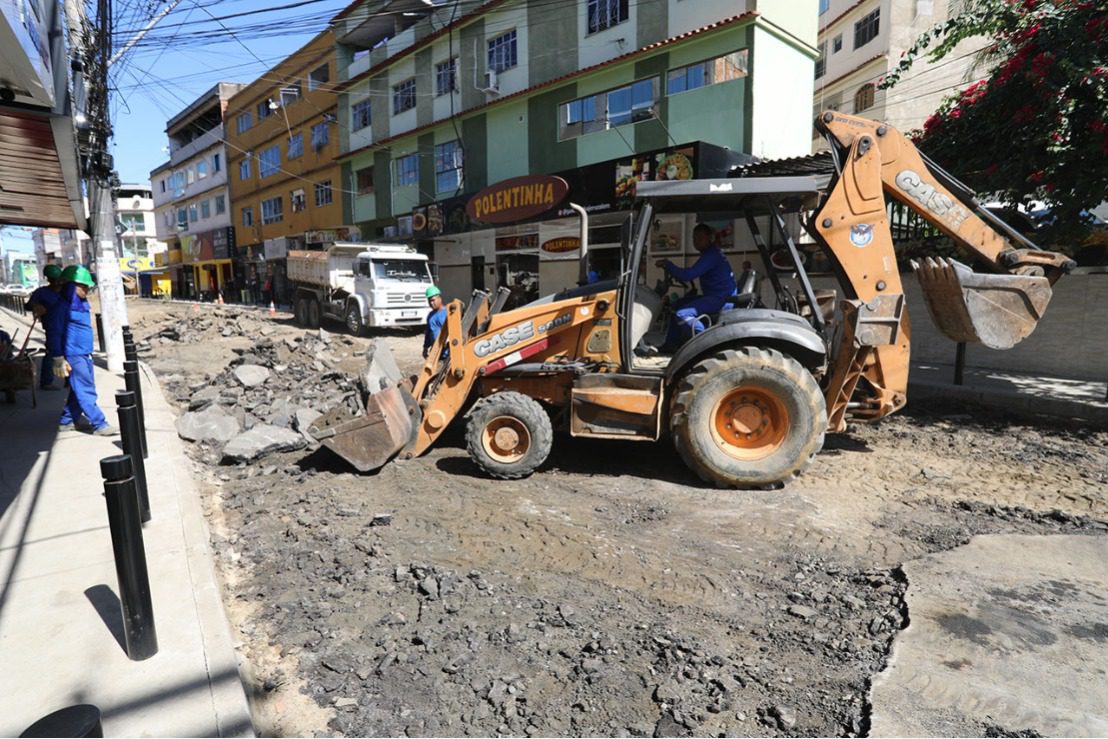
(998, 311)
(389, 422)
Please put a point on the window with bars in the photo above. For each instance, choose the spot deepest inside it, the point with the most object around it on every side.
(448, 166)
(269, 161)
(320, 135)
(296, 146)
(606, 13)
(205, 209)
(323, 194)
(364, 181)
(406, 170)
(864, 98)
(866, 29)
(446, 77)
(220, 204)
(193, 214)
(731, 66)
(272, 210)
(502, 52)
(403, 96)
(359, 113)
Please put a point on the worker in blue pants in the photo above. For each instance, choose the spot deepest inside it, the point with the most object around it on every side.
(717, 284)
(40, 303)
(69, 335)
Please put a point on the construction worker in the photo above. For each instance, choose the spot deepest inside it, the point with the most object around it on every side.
(435, 319)
(40, 303)
(69, 335)
(717, 284)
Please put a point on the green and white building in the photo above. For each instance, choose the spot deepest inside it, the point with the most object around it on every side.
(440, 100)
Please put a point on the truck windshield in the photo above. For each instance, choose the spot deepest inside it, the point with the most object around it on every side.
(401, 270)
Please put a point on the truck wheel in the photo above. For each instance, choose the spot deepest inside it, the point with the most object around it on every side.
(508, 435)
(748, 417)
(354, 319)
(301, 312)
(313, 313)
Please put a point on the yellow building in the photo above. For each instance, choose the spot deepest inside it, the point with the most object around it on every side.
(286, 188)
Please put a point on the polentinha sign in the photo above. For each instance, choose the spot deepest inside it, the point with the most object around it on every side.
(516, 199)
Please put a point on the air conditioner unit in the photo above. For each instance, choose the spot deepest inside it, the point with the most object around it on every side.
(492, 84)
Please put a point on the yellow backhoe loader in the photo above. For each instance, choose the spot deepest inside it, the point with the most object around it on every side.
(748, 400)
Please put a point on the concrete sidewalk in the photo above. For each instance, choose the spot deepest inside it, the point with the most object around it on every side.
(1013, 391)
(61, 631)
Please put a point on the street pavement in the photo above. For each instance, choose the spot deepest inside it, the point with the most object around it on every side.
(61, 628)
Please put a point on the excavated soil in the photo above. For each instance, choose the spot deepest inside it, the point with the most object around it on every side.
(611, 593)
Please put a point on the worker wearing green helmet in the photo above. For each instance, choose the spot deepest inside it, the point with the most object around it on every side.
(435, 319)
(40, 302)
(69, 336)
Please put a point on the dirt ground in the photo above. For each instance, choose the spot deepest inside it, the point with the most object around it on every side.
(611, 593)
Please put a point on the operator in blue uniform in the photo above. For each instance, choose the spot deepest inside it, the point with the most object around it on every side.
(435, 319)
(717, 284)
(69, 337)
(41, 302)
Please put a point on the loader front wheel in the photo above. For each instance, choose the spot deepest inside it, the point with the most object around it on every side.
(748, 417)
(508, 435)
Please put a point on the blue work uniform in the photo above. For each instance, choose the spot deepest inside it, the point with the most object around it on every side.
(69, 335)
(717, 284)
(47, 297)
(435, 321)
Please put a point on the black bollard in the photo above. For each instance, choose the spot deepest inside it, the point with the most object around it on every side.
(134, 385)
(77, 721)
(130, 433)
(130, 557)
(100, 332)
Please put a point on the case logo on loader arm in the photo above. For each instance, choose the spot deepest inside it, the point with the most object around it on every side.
(926, 195)
(507, 337)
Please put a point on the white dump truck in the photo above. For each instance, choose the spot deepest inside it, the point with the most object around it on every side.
(362, 285)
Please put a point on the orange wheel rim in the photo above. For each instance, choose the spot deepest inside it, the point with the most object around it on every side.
(506, 439)
(750, 423)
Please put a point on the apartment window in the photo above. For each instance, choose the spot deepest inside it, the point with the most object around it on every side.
(863, 99)
(163, 184)
(837, 44)
(632, 103)
(448, 166)
(205, 209)
(167, 218)
(502, 52)
(360, 115)
(406, 170)
(220, 204)
(244, 169)
(323, 194)
(364, 180)
(866, 29)
(193, 213)
(201, 170)
(290, 94)
(320, 136)
(297, 202)
(821, 60)
(721, 69)
(133, 222)
(190, 175)
(606, 13)
(319, 77)
(216, 163)
(403, 96)
(446, 77)
(182, 219)
(269, 161)
(263, 109)
(296, 146)
(248, 216)
(271, 210)
(244, 122)
(824, 6)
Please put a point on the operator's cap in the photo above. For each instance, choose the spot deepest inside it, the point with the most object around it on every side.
(433, 291)
(52, 272)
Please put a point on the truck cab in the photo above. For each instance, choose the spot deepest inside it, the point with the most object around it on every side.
(390, 283)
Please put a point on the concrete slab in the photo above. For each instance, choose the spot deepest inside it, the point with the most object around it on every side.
(1007, 630)
(61, 632)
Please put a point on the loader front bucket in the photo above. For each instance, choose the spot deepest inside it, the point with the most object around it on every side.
(998, 311)
(369, 440)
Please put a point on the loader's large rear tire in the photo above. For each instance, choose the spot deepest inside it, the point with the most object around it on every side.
(509, 435)
(748, 417)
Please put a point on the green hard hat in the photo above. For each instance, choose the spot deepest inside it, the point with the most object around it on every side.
(52, 272)
(79, 274)
(433, 291)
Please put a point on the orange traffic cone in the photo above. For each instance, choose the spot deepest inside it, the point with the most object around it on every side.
(219, 299)
(272, 310)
